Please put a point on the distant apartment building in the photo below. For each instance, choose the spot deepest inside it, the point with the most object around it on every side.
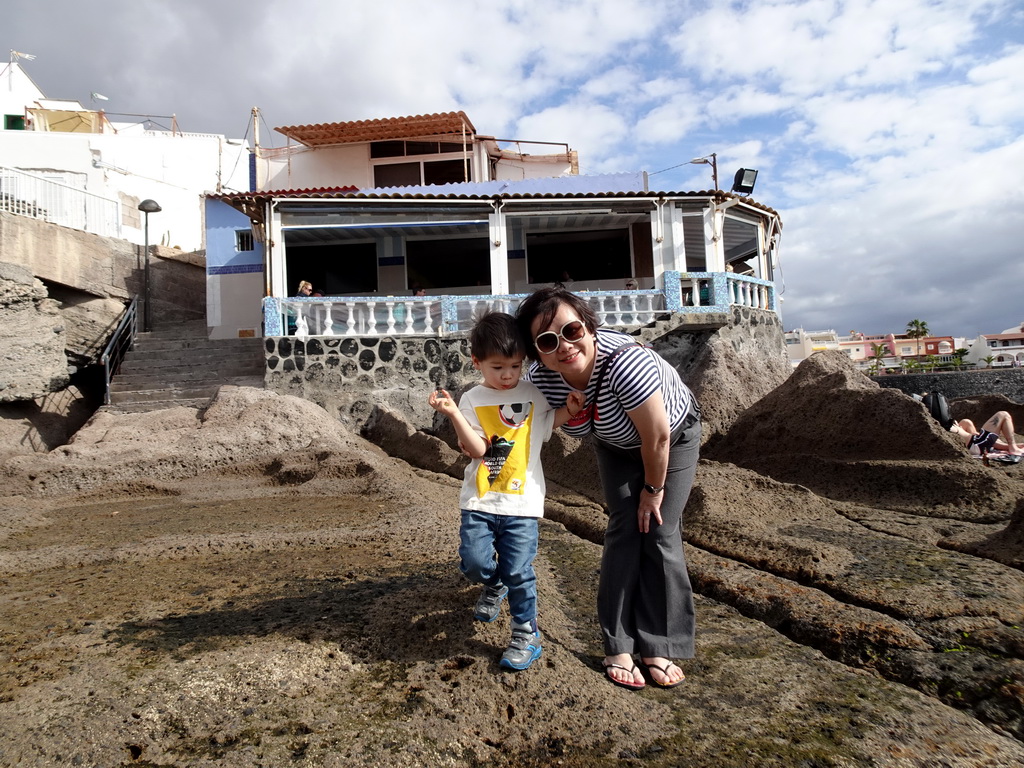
(1000, 350)
(878, 351)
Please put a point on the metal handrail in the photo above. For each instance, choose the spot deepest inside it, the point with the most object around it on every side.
(121, 341)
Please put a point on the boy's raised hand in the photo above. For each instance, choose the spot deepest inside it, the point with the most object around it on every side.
(442, 402)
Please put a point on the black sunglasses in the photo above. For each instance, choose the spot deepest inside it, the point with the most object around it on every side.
(547, 342)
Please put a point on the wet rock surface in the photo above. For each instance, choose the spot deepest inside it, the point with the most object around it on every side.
(255, 585)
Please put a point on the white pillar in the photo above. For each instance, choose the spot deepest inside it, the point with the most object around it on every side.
(714, 245)
(276, 253)
(498, 243)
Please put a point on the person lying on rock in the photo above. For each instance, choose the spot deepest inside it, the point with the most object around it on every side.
(996, 434)
(502, 424)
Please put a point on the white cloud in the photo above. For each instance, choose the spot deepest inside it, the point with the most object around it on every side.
(882, 129)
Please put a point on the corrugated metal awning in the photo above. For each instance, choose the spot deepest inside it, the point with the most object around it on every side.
(444, 124)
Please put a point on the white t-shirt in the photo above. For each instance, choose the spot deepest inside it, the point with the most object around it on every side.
(508, 480)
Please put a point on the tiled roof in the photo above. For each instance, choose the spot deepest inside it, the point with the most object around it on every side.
(442, 124)
(1003, 336)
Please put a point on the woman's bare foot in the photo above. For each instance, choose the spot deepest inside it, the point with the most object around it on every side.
(622, 670)
(664, 673)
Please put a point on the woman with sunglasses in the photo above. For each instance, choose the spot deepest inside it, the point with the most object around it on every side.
(646, 428)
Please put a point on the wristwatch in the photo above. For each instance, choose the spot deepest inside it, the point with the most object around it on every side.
(652, 489)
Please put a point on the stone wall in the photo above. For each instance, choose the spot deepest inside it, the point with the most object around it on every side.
(32, 361)
(994, 381)
(729, 368)
(348, 376)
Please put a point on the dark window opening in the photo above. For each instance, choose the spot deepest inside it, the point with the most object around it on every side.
(14, 122)
(421, 147)
(335, 269)
(401, 148)
(448, 263)
(409, 174)
(396, 175)
(387, 149)
(595, 255)
(445, 172)
(243, 240)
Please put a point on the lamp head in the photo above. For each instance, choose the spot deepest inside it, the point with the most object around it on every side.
(150, 206)
(744, 180)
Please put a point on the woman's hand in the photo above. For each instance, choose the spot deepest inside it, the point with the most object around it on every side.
(651, 422)
(648, 509)
(575, 402)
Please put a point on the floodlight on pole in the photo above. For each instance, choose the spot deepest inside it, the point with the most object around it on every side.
(147, 207)
(743, 183)
(711, 160)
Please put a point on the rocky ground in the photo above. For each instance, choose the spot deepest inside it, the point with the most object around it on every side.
(254, 585)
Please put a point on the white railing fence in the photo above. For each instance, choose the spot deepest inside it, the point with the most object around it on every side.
(701, 292)
(27, 194)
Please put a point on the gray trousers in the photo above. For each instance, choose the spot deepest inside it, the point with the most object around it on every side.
(644, 598)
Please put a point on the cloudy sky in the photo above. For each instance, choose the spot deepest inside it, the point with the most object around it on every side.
(888, 133)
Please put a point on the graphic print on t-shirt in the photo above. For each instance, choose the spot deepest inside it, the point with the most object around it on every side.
(503, 467)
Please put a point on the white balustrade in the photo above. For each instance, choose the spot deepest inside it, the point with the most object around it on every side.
(328, 329)
(350, 321)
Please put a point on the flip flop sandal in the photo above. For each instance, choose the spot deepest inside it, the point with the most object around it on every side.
(664, 671)
(631, 685)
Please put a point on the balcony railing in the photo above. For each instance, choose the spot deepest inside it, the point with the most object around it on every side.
(29, 195)
(694, 292)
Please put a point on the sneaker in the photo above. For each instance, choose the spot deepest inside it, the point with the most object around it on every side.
(524, 648)
(489, 605)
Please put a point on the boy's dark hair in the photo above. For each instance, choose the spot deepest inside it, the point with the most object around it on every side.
(495, 335)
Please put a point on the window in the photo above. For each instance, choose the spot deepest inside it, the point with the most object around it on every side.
(396, 175)
(243, 240)
(457, 261)
(905, 350)
(14, 122)
(420, 172)
(405, 148)
(593, 255)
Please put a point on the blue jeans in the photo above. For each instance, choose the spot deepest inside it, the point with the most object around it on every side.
(499, 549)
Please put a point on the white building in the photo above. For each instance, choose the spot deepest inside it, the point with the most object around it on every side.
(75, 166)
(1005, 349)
(426, 201)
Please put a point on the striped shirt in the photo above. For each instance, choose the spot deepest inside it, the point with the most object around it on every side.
(635, 375)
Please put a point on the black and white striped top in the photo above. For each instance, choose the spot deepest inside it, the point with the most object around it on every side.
(635, 375)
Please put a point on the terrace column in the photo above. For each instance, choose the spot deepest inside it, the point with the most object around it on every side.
(714, 243)
(275, 255)
(497, 236)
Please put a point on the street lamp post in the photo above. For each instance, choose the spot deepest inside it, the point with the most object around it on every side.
(711, 160)
(147, 207)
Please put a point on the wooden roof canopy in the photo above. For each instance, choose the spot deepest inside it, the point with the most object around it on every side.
(442, 125)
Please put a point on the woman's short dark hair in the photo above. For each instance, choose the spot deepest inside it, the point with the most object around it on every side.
(544, 303)
(495, 334)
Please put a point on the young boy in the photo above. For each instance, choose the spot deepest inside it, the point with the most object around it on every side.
(502, 424)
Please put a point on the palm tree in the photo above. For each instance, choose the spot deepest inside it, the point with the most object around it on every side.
(988, 360)
(958, 357)
(917, 329)
(878, 351)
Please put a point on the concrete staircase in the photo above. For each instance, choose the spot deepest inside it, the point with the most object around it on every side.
(181, 366)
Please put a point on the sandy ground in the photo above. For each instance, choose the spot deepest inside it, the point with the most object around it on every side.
(255, 586)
